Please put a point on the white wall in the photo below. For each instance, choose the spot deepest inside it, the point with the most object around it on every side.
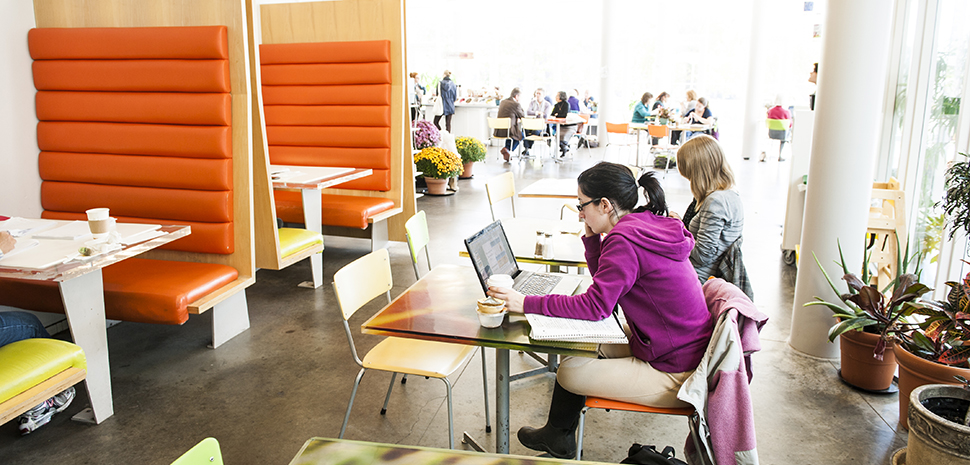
(19, 177)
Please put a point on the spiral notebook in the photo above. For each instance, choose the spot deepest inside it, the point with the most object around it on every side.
(548, 328)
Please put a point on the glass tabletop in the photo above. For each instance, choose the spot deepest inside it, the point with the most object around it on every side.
(441, 306)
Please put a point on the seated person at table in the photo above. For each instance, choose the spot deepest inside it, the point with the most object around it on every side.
(716, 215)
(561, 110)
(589, 102)
(700, 114)
(642, 110)
(641, 264)
(17, 326)
(510, 108)
(661, 102)
(574, 105)
(538, 108)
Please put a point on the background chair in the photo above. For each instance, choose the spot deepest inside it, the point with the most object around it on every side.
(362, 281)
(621, 133)
(537, 124)
(606, 404)
(498, 123)
(498, 189)
(661, 132)
(206, 452)
(581, 134)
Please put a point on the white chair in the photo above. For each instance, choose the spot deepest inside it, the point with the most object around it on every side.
(500, 188)
(537, 124)
(501, 124)
(362, 281)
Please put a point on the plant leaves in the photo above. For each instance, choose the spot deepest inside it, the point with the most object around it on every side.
(955, 356)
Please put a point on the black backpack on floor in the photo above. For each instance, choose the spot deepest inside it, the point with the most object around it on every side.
(648, 455)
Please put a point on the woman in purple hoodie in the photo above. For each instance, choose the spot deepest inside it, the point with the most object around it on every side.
(639, 259)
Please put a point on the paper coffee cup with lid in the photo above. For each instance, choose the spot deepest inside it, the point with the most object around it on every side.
(99, 222)
(500, 280)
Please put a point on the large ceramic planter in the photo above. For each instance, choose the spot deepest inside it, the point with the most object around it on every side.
(860, 368)
(915, 372)
(934, 439)
(467, 170)
(436, 186)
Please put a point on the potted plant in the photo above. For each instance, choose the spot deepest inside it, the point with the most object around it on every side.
(471, 150)
(939, 425)
(664, 115)
(938, 348)
(426, 134)
(437, 165)
(868, 322)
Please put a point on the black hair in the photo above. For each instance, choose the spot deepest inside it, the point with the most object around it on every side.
(656, 200)
(610, 181)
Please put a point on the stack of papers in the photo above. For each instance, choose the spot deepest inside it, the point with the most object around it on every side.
(23, 227)
(547, 328)
(71, 231)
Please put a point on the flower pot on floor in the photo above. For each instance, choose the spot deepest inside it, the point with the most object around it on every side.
(937, 435)
(436, 186)
(467, 170)
(860, 368)
(915, 372)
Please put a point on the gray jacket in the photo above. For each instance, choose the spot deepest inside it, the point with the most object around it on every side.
(717, 224)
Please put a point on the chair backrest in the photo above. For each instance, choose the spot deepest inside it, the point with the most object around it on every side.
(658, 131)
(777, 124)
(533, 124)
(206, 452)
(500, 188)
(617, 128)
(416, 231)
(584, 116)
(362, 280)
(499, 123)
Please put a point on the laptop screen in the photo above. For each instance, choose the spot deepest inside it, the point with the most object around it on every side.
(491, 253)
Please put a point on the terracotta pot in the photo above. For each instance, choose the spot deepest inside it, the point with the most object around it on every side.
(467, 170)
(915, 372)
(934, 440)
(436, 186)
(860, 368)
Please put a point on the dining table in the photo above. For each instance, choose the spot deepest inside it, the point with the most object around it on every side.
(441, 306)
(552, 188)
(44, 256)
(567, 250)
(672, 128)
(310, 180)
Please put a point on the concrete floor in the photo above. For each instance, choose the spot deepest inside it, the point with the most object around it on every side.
(288, 378)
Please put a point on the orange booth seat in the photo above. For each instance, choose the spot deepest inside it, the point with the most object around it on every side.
(138, 120)
(329, 104)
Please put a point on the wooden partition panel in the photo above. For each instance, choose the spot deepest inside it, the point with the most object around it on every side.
(147, 13)
(344, 21)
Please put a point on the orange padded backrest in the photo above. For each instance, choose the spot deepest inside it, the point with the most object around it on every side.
(137, 120)
(329, 104)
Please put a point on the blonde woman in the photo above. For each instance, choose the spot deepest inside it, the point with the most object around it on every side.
(716, 217)
(688, 104)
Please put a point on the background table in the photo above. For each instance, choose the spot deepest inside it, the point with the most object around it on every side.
(552, 188)
(82, 291)
(312, 180)
(325, 451)
(567, 249)
(441, 306)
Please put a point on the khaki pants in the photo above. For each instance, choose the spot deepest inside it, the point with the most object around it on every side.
(623, 377)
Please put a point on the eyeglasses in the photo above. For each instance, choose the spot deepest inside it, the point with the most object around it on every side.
(583, 205)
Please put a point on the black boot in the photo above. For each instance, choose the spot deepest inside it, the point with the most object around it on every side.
(558, 436)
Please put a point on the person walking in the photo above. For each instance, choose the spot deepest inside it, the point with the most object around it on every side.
(447, 92)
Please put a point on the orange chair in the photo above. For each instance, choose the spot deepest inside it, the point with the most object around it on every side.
(614, 128)
(606, 404)
(661, 132)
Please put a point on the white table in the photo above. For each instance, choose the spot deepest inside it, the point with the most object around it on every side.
(552, 188)
(82, 292)
(310, 180)
(568, 248)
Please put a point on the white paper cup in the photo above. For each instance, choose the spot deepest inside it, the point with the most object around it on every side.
(491, 320)
(102, 228)
(500, 280)
(96, 214)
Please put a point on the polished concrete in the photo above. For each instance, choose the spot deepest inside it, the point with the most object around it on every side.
(288, 378)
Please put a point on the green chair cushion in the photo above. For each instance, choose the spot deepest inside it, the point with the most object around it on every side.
(27, 363)
(293, 240)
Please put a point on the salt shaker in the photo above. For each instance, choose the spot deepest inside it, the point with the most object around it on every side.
(539, 244)
(547, 247)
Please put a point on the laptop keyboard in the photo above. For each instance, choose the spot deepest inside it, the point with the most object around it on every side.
(539, 284)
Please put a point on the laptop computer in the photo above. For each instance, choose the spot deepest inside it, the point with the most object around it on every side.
(491, 254)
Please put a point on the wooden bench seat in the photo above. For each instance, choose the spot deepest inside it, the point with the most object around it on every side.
(137, 289)
(34, 370)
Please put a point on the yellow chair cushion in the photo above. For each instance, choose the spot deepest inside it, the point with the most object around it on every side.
(27, 363)
(423, 358)
(293, 240)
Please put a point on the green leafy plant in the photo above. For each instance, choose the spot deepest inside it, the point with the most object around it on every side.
(956, 201)
(470, 149)
(867, 309)
(944, 336)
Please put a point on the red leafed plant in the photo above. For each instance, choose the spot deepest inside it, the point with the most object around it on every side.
(944, 336)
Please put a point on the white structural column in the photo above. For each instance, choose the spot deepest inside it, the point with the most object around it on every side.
(754, 105)
(848, 113)
(607, 106)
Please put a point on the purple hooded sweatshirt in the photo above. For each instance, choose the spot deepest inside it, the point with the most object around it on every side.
(643, 264)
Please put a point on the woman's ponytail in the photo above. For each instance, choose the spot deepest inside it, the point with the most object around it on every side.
(656, 200)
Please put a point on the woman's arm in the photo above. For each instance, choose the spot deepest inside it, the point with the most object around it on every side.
(711, 219)
(701, 119)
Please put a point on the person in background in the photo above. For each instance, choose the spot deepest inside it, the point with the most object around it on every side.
(17, 326)
(639, 261)
(448, 92)
(661, 102)
(510, 108)
(589, 103)
(686, 105)
(778, 112)
(700, 114)
(561, 110)
(642, 110)
(812, 77)
(574, 101)
(716, 216)
(538, 108)
(417, 92)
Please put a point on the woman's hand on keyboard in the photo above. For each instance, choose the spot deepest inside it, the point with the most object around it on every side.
(513, 299)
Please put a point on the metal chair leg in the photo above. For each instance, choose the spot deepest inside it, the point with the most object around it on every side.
(350, 405)
(451, 426)
(488, 418)
(388, 396)
(579, 440)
